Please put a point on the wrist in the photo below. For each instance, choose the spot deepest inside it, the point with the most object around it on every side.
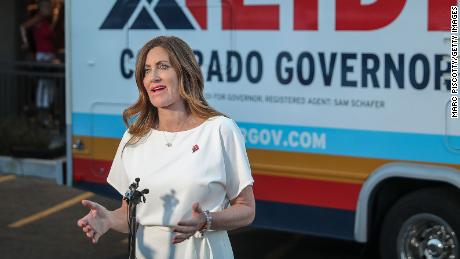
(117, 220)
(111, 217)
(206, 215)
(202, 222)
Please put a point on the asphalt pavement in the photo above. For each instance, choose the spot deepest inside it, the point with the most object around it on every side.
(38, 220)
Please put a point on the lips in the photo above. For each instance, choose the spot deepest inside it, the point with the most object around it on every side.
(157, 88)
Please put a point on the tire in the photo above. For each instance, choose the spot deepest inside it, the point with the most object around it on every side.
(424, 224)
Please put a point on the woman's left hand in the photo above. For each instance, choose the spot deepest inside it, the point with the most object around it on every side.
(187, 228)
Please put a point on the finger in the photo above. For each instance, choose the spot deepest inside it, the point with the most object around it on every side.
(82, 222)
(185, 230)
(95, 237)
(90, 205)
(178, 239)
(87, 228)
(90, 234)
(182, 229)
(196, 207)
(182, 236)
(187, 223)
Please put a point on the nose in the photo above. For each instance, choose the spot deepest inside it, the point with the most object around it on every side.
(155, 76)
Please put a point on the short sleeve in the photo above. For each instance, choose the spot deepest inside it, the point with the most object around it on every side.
(118, 177)
(237, 168)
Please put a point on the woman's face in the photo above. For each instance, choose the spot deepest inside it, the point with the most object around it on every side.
(44, 8)
(160, 80)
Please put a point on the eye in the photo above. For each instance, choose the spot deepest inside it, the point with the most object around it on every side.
(147, 71)
(163, 66)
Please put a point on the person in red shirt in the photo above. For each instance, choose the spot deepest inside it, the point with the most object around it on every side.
(43, 30)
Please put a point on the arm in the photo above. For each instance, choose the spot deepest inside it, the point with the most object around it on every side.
(119, 218)
(241, 213)
(56, 12)
(31, 22)
(25, 26)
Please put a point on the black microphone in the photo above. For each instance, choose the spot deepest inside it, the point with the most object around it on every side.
(133, 197)
(139, 194)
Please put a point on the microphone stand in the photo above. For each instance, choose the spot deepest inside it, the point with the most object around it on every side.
(133, 197)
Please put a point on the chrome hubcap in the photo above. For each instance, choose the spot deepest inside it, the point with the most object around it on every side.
(426, 236)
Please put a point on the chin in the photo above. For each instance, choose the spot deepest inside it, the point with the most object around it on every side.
(157, 104)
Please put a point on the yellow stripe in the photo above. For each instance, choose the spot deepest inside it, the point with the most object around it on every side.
(96, 148)
(51, 210)
(313, 166)
(125, 241)
(7, 178)
(313, 176)
(319, 166)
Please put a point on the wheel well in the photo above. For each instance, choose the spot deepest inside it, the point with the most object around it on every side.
(394, 189)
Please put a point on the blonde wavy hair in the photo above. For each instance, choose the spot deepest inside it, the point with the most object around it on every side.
(140, 117)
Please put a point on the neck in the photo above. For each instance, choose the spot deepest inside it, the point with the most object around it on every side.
(172, 120)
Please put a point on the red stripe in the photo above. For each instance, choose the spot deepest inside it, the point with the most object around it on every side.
(325, 194)
(94, 171)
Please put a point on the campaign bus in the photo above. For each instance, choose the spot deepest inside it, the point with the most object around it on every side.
(346, 107)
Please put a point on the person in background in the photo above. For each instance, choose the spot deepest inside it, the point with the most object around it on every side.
(43, 26)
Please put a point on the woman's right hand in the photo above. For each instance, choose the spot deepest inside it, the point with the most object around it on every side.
(96, 222)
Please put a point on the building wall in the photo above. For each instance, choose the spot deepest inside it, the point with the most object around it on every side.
(9, 29)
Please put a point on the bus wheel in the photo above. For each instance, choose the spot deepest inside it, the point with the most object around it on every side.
(422, 224)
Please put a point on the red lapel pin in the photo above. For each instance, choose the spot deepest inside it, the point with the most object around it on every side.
(195, 148)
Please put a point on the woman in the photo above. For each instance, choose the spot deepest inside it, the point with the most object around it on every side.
(43, 26)
(190, 157)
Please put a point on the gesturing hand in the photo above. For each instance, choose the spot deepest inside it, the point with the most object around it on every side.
(187, 228)
(96, 222)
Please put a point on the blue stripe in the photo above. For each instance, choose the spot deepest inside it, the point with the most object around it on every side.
(345, 142)
(305, 219)
(98, 125)
(363, 143)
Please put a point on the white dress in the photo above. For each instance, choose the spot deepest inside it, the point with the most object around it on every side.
(207, 164)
